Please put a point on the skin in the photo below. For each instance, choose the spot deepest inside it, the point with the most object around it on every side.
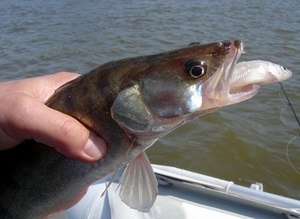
(23, 115)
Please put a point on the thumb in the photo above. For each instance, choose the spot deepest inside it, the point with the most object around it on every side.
(68, 136)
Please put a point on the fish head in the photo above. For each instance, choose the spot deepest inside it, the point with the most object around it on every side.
(182, 85)
(191, 80)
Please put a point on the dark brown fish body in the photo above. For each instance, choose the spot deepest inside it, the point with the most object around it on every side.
(36, 180)
(37, 174)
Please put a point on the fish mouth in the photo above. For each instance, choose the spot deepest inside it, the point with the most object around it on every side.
(240, 88)
(218, 90)
(235, 81)
(248, 76)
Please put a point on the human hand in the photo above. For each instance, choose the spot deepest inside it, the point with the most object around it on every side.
(23, 115)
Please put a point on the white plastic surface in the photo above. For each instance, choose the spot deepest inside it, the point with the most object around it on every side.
(184, 194)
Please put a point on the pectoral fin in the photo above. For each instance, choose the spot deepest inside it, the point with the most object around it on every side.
(138, 185)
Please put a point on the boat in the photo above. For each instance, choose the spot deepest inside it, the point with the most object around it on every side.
(185, 194)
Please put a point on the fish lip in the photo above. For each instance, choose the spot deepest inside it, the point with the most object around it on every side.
(238, 94)
(236, 51)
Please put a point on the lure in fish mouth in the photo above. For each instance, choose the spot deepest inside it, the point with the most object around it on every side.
(244, 83)
(129, 103)
(236, 82)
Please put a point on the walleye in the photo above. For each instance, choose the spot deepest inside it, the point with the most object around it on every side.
(130, 104)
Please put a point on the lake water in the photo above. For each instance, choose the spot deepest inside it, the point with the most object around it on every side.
(244, 143)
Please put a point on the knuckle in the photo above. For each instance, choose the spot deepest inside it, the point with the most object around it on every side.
(68, 128)
(71, 130)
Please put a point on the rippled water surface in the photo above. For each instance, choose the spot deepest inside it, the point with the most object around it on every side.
(244, 143)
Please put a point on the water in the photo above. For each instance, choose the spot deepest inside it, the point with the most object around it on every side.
(244, 143)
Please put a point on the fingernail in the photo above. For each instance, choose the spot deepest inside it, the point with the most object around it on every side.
(95, 147)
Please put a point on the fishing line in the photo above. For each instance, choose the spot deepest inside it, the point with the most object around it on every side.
(298, 134)
(290, 104)
(287, 154)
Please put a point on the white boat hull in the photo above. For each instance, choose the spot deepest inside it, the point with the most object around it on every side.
(185, 194)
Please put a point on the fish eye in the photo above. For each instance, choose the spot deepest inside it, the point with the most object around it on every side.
(195, 68)
(284, 68)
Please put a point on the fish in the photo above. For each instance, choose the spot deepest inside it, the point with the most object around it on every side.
(130, 103)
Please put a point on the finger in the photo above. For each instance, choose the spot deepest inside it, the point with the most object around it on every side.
(34, 120)
(67, 135)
